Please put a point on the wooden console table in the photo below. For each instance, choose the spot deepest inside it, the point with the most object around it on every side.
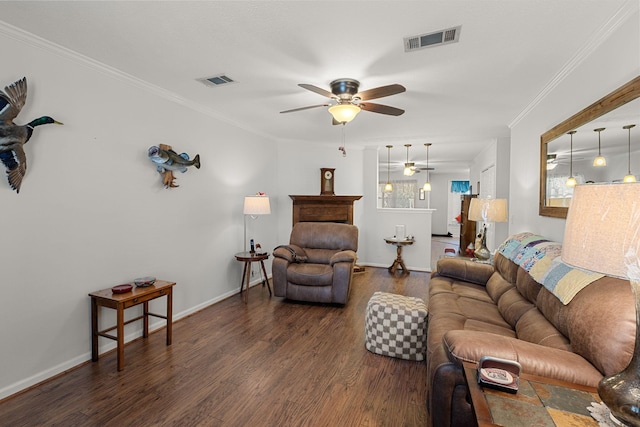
(120, 302)
(539, 402)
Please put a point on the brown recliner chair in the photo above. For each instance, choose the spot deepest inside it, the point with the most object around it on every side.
(317, 264)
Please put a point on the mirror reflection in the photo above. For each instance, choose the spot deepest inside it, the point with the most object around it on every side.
(602, 135)
(613, 149)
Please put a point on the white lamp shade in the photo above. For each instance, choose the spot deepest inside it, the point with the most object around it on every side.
(344, 113)
(256, 205)
(488, 210)
(602, 232)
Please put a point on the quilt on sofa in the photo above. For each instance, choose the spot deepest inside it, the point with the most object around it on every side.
(541, 258)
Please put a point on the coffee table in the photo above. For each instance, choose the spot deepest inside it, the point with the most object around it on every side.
(539, 402)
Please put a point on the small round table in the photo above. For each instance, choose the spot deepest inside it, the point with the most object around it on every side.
(398, 262)
(248, 258)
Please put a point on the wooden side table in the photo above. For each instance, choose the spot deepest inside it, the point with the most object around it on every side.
(398, 262)
(248, 258)
(120, 302)
(539, 402)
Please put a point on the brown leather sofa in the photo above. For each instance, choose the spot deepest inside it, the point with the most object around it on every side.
(317, 264)
(480, 310)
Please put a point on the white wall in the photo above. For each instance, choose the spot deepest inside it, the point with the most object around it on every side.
(92, 212)
(612, 64)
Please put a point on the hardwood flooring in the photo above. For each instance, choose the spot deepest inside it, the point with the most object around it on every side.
(270, 362)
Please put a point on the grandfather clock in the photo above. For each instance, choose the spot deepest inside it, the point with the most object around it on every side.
(326, 182)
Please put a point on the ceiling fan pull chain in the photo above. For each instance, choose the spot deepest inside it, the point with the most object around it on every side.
(343, 146)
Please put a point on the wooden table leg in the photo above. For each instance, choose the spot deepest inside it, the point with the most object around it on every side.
(169, 316)
(145, 319)
(120, 340)
(266, 278)
(244, 273)
(94, 329)
(246, 295)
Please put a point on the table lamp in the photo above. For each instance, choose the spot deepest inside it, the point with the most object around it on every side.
(253, 206)
(602, 234)
(487, 210)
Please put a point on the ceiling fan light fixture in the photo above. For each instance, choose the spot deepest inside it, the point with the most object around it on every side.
(344, 113)
(409, 168)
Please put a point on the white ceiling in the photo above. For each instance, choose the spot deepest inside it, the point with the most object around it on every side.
(459, 96)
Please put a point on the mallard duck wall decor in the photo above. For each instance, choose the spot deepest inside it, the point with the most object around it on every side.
(167, 161)
(12, 136)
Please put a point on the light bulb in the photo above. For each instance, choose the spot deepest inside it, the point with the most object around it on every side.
(571, 182)
(388, 187)
(427, 186)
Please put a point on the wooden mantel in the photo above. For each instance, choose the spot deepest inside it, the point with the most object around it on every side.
(323, 208)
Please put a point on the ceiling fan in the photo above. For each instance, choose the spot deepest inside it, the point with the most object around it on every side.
(346, 102)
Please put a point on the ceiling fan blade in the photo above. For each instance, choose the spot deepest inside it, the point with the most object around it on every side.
(317, 90)
(304, 108)
(380, 92)
(382, 109)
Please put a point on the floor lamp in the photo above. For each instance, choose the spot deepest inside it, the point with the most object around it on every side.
(602, 234)
(254, 206)
(486, 210)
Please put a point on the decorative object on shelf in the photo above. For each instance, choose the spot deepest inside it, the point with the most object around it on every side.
(327, 177)
(571, 181)
(12, 136)
(427, 184)
(602, 234)
(409, 167)
(388, 187)
(254, 206)
(142, 282)
(629, 177)
(347, 102)
(599, 161)
(167, 161)
(486, 210)
(122, 289)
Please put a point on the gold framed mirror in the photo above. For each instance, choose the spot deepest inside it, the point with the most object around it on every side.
(591, 117)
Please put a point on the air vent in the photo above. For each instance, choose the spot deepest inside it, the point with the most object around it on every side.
(438, 38)
(215, 81)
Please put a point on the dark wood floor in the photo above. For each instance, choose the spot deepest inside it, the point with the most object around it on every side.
(269, 363)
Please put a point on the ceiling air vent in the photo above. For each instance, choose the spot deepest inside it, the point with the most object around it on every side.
(450, 35)
(215, 81)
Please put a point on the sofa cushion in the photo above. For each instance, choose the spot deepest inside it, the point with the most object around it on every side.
(310, 274)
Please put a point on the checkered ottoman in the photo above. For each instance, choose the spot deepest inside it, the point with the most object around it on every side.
(396, 326)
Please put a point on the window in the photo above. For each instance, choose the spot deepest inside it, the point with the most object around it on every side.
(403, 194)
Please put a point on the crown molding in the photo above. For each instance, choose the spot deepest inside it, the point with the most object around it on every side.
(608, 28)
(38, 42)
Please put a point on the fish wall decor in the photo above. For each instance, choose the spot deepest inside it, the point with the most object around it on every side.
(13, 136)
(167, 161)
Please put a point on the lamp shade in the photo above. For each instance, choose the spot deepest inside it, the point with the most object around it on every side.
(488, 210)
(602, 232)
(344, 113)
(256, 205)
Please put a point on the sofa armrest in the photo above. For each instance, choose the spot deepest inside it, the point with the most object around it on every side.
(291, 253)
(343, 256)
(535, 359)
(465, 270)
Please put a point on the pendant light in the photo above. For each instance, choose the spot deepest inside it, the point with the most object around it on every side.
(629, 177)
(409, 167)
(571, 182)
(427, 184)
(388, 188)
(599, 161)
